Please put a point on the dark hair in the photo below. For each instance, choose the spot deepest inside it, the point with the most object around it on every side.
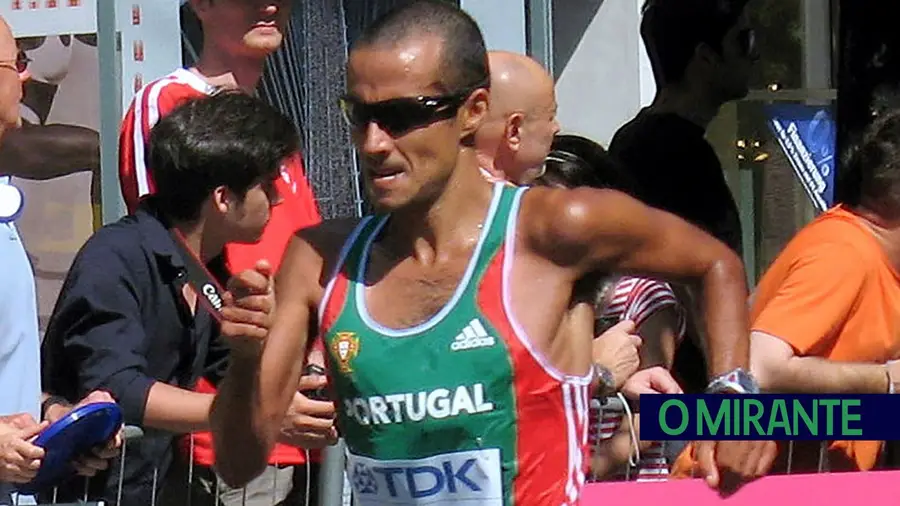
(672, 30)
(228, 139)
(464, 56)
(873, 166)
(578, 161)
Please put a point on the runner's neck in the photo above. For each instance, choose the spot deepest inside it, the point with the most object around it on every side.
(454, 219)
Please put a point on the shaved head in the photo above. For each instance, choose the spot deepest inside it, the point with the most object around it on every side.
(516, 137)
(518, 83)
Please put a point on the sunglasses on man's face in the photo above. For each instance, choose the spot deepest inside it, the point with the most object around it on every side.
(397, 116)
(21, 63)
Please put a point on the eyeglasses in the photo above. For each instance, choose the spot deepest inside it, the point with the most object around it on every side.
(400, 115)
(20, 65)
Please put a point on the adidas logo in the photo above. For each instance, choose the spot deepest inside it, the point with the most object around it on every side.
(473, 335)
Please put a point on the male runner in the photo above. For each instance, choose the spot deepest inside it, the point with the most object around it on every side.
(512, 145)
(441, 312)
(238, 35)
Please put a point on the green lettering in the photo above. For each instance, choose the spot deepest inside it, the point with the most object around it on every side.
(846, 417)
(704, 419)
(662, 417)
(752, 418)
(778, 418)
(829, 404)
(812, 424)
(736, 426)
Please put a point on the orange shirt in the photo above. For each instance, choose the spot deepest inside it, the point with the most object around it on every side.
(831, 293)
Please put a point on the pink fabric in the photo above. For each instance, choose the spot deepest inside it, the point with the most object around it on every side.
(837, 489)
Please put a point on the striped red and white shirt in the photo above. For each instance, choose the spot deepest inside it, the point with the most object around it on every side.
(297, 209)
(635, 299)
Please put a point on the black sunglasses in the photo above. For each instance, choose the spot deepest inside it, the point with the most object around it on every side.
(400, 115)
(21, 63)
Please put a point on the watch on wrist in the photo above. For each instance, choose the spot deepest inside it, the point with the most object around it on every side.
(737, 381)
(606, 382)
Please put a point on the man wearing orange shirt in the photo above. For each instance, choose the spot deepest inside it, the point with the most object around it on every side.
(238, 35)
(826, 315)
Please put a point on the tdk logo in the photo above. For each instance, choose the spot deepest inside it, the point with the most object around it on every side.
(473, 477)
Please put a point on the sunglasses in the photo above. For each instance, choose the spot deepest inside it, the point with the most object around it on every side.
(20, 65)
(400, 115)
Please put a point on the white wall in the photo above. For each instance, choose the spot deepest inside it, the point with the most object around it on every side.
(602, 71)
(501, 21)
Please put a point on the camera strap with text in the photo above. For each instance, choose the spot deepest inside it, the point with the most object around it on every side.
(209, 292)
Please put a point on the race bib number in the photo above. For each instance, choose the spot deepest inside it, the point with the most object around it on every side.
(469, 477)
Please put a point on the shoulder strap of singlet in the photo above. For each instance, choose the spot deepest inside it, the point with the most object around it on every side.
(349, 255)
(496, 234)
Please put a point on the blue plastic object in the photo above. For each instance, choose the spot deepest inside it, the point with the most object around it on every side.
(76, 434)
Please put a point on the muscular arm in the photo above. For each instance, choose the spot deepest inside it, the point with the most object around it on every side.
(587, 230)
(48, 151)
(252, 399)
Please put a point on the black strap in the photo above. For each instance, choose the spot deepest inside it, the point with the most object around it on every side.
(209, 292)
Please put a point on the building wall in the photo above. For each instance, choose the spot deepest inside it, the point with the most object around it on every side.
(603, 76)
(602, 73)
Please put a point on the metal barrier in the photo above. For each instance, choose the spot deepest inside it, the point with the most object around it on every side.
(820, 489)
(617, 408)
(333, 486)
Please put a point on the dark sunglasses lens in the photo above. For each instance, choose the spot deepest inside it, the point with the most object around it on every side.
(22, 62)
(401, 116)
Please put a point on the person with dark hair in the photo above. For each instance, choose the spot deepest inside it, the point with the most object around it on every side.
(650, 306)
(441, 311)
(826, 314)
(576, 161)
(701, 52)
(128, 320)
(238, 36)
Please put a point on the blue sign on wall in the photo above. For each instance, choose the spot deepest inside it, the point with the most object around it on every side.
(807, 136)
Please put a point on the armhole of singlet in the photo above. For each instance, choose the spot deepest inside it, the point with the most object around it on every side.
(508, 256)
(342, 258)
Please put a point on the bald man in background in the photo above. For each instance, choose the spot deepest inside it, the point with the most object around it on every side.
(512, 145)
(515, 139)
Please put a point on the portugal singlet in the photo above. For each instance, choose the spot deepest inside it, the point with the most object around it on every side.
(460, 409)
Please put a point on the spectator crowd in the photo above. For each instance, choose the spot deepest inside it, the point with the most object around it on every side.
(497, 316)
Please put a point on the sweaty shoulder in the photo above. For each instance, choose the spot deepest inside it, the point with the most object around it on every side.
(319, 246)
(562, 225)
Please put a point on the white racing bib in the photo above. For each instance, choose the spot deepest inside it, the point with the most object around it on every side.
(467, 477)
